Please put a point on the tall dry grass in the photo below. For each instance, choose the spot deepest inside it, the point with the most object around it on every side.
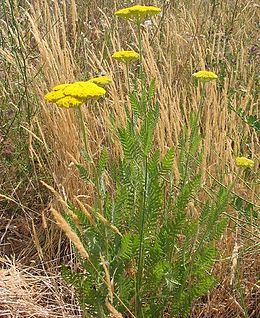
(186, 39)
(46, 42)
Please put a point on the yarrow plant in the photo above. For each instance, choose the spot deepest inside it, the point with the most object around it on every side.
(205, 76)
(137, 13)
(101, 81)
(141, 253)
(244, 162)
(126, 57)
(75, 94)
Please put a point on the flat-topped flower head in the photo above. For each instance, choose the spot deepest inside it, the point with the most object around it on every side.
(75, 94)
(137, 13)
(205, 76)
(53, 96)
(244, 162)
(126, 57)
(84, 90)
(69, 101)
(101, 80)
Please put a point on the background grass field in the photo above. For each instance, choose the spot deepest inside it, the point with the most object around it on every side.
(44, 43)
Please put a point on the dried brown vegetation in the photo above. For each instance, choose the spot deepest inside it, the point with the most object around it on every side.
(44, 43)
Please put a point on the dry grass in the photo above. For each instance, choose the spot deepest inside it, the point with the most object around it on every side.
(62, 41)
(29, 292)
(237, 294)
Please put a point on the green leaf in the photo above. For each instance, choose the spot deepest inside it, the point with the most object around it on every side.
(83, 173)
(153, 163)
(135, 104)
(167, 162)
(151, 90)
(126, 247)
(147, 129)
(102, 160)
(130, 144)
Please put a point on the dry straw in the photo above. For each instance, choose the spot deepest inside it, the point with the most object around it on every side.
(70, 233)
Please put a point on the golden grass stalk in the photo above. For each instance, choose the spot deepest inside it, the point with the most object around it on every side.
(106, 222)
(70, 233)
(113, 311)
(85, 211)
(107, 279)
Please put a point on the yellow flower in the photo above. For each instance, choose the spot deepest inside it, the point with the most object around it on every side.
(69, 101)
(125, 56)
(138, 12)
(53, 96)
(75, 94)
(244, 162)
(83, 90)
(205, 76)
(101, 80)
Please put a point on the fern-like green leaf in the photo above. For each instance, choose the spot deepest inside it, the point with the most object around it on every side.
(151, 91)
(167, 162)
(83, 173)
(102, 161)
(126, 247)
(135, 104)
(130, 144)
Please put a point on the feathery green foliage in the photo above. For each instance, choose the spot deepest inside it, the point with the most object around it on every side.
(159, 257)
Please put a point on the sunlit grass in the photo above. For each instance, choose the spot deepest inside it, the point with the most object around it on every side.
(44, 44)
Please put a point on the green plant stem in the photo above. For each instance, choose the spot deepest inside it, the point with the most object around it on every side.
(140, 47)
(85, 314)
(100, 312)
(100, 206)
(129, 92)
(128, 78)
(193, 129)
(139, 312)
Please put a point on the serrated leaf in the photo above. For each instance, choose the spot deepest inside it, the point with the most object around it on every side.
(102, 160)
(151, 90)
(167, 162)
(126, 247)
(135, 104)
(130, 144)
(83, 173)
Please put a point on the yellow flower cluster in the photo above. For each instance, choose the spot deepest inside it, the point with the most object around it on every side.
(205, 76)
(101, 80)
(137, 12)
(126, 56)
(244, 162)
(75, 94)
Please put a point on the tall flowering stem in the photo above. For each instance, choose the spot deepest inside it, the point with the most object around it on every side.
(194, 125)
(129, 91)
(138, 302)
(128, 77)
(127, 57)
(140, 47)
(139, 311)
(73, 95)
(202, 77)
(137, 14)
